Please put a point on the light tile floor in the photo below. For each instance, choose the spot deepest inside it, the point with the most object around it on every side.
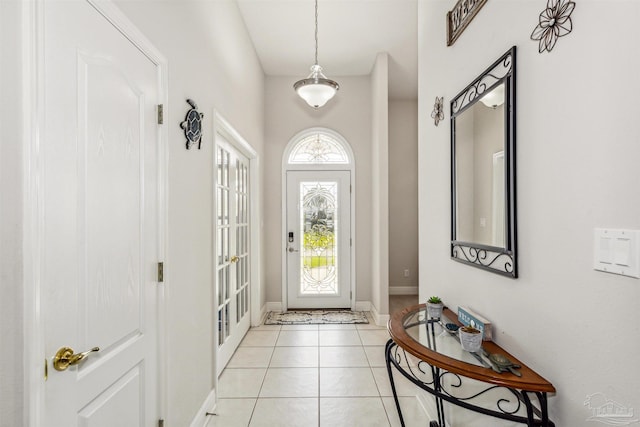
(312, 375)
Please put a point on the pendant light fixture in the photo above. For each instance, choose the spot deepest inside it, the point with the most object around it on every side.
(495, 98)
(316, 89)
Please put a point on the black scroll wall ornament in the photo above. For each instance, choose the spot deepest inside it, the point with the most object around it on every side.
(192, 125)
(554, 22)
(438, 112)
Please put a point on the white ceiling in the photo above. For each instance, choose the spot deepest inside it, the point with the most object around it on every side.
(350, 34)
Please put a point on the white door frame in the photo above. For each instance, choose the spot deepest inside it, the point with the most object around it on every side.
(223, 127)
(323, 167)
(34, 209)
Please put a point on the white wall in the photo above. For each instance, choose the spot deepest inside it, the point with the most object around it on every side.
(380, 185)
(349, 114)
(577, 169)
(11, 333)
(403, 193)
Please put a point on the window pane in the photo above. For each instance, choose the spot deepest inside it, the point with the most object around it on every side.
(318, 148)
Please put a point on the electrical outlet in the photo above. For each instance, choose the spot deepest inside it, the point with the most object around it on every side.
(406, 273)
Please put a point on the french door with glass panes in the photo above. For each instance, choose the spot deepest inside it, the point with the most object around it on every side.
(318, 239)
(232, 249)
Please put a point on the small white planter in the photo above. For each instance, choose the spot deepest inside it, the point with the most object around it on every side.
(470, 341)
(434, 310)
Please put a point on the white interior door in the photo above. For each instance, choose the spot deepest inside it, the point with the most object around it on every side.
(232, 249)
(318, 239)
(100, 221)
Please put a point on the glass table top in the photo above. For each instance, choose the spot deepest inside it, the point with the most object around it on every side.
(433, 335)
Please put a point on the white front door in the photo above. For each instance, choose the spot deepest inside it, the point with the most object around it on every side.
(100, 222)
(232, 249)
(318, 239)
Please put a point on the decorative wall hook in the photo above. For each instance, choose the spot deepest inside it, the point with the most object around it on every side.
(554, 22)
(438, 113)
(192, 125)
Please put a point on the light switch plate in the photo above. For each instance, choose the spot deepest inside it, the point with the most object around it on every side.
(617, 251)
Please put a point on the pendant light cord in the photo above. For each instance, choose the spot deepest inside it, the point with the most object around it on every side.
(316, 32)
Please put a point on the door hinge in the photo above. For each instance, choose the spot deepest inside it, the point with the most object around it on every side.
(160, 423)
(160, 272)
(350, 242)
(160, 114)
(350, 295)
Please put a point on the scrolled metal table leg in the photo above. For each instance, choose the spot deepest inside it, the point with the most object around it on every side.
(544, 410)
(387, 357)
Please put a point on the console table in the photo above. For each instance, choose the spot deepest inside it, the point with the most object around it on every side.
(425, 352)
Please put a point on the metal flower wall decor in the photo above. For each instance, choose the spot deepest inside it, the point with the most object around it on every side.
(438, 113)
(554, 22)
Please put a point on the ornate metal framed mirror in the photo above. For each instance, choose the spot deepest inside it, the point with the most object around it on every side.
(483, 170)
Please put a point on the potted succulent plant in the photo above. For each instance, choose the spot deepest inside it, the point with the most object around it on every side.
(434, 307)
(470, 338)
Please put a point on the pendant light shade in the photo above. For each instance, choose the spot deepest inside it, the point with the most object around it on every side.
(495, 98)
(316, 89)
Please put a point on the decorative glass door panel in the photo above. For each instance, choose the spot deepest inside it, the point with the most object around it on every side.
(319, 230)
(318, 239)
(232, 249)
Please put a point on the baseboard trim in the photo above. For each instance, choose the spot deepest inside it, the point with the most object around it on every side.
(423, 399)
(263, 316)
(403, 290)
(379, 319)
(428, 405)
(200, 420)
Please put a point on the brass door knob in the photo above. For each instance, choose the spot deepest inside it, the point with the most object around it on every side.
(234, 259)
(65, 357)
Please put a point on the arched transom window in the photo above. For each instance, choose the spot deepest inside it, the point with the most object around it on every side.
(319, 148)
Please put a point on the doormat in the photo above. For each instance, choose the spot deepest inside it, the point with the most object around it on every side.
(315, 317)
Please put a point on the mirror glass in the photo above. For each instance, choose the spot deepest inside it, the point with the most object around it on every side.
(483, 170)
(480, 171)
